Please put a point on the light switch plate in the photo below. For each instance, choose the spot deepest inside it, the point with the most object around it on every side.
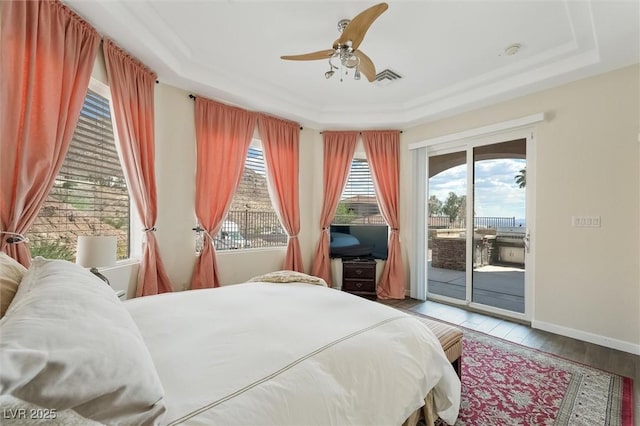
(586, 221)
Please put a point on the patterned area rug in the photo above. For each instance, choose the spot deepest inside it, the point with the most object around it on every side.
(504, 383)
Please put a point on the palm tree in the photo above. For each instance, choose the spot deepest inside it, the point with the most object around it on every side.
(521, 178)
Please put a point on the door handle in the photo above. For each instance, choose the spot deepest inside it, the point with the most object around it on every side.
(527, 240)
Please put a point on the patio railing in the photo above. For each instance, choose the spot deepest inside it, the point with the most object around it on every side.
(259, 229)
(494, 222)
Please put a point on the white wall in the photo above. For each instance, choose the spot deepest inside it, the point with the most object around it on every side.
(587, 280)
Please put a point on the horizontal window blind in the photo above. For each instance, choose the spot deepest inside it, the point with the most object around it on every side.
(255, 160)
(89, 196)
(359, 182)
(358, 203)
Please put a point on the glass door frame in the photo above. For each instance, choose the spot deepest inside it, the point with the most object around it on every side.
(467, 141)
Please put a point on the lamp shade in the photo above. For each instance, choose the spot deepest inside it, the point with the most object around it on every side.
(96, 250)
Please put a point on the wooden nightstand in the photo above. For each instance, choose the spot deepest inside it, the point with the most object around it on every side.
(359, 277)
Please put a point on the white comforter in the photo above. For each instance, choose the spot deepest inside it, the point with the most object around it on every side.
(291, 354)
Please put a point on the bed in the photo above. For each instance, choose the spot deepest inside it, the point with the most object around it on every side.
(292, 353)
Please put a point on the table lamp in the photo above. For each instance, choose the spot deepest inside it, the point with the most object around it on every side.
(94, 251)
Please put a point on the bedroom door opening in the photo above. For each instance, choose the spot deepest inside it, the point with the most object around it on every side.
(477, 235)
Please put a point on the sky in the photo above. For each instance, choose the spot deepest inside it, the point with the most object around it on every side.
(497, 194)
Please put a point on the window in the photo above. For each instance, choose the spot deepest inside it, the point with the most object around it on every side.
(358, 203)
(89, 196)
(251, 221)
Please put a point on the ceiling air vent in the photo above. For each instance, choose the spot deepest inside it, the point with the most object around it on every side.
(386, 77)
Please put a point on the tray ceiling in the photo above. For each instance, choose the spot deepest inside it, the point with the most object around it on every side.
(450, 55)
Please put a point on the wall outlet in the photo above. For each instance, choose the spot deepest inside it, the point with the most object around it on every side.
(586, 221)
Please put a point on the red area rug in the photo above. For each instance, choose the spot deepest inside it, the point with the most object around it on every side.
(504, 383)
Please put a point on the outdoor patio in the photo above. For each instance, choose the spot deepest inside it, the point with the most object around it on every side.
(493, 285)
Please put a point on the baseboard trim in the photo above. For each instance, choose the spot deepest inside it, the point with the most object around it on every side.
(597, 339)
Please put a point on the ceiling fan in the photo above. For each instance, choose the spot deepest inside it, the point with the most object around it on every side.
(345, 49)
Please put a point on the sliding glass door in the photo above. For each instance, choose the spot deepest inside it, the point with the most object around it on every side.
(446, 222)
(476, 225)
(499, 225)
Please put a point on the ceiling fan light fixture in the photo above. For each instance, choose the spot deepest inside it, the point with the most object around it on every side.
(351, 61)
(356, 76)
(342, 24)
(329, 74)
(331, 65)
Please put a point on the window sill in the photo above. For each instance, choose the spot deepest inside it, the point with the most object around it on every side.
(121, 264)
(250, 250)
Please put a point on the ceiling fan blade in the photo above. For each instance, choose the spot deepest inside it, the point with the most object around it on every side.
(314, 56)
(366, 66)
(359, 25)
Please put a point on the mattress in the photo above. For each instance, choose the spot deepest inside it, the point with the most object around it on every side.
(291, 354)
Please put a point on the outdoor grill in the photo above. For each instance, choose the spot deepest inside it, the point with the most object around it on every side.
(511, 234)
(510, 245)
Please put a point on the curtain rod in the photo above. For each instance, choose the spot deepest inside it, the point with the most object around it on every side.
(192, 96)
(401, 131)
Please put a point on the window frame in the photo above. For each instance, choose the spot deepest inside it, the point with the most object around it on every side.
(136, 235)
(134, 225)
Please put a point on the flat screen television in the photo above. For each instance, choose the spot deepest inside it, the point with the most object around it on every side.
(359, 241)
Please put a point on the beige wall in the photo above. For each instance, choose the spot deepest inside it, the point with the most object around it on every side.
(175, 181)
(587, 280)
(175, 178)
(175, 166)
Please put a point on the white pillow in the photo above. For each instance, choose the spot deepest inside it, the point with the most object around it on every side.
(11, 272)
(68, 343)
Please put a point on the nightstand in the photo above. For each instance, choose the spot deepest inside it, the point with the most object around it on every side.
(359, 277)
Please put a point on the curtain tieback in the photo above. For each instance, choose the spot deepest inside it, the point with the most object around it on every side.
(293, 236)
(15, 238)
(204, 231)
(152, 229)
(395, 229)
(325, 229)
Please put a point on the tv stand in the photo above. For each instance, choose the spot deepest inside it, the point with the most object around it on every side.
(359, 277)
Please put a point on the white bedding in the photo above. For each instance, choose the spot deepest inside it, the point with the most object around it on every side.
(294, 354)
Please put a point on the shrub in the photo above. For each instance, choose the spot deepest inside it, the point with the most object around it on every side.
(52, 249)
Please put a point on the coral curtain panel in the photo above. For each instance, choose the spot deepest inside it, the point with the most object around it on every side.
(132, 87)
(382, 149)
(223, 135)
(338, 153)
(280, 140)
(46, 58)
